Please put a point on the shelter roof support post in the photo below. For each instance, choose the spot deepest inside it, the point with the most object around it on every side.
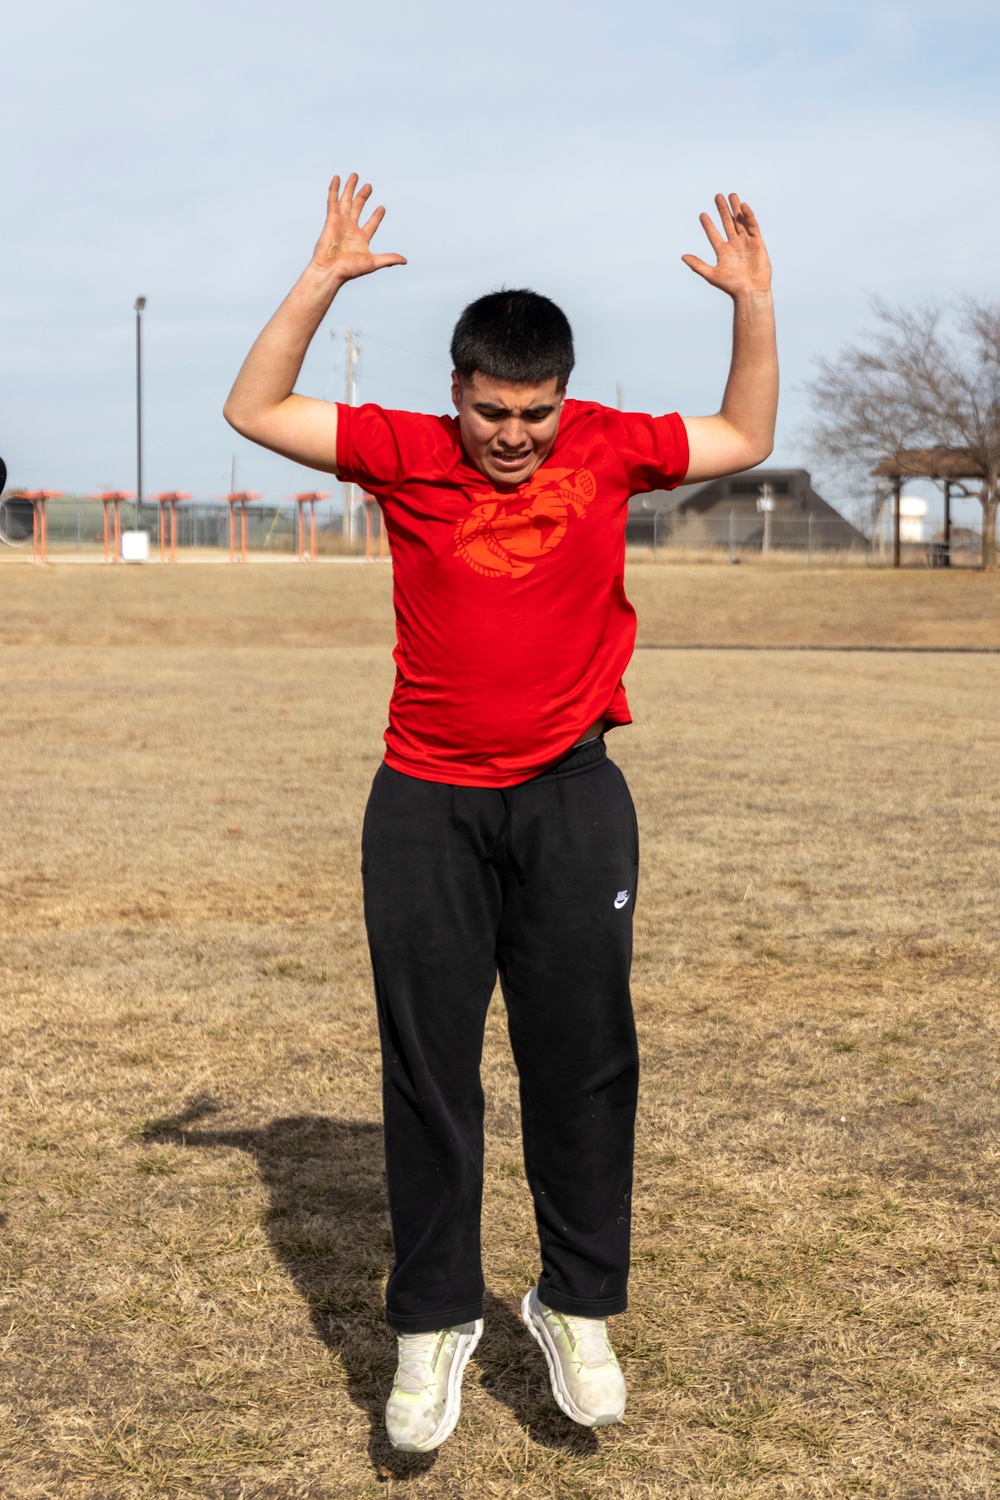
(239, 498)
(897, 485)
(308, 497)
(306, 550)
(111, 505)
(946, 559)
(37, 522)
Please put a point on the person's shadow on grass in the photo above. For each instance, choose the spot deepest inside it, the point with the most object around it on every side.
(327, 1222)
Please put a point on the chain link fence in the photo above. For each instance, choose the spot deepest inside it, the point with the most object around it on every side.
(76, 527)
(736, 538)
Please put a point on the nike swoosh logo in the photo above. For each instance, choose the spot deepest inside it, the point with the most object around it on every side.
(620, 900)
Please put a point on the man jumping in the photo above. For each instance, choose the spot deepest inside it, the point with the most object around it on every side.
(499, 839)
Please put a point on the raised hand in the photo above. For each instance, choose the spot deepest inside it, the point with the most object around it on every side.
(344, 247)
(742, 265)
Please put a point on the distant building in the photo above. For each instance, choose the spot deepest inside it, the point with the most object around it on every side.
(727, 509)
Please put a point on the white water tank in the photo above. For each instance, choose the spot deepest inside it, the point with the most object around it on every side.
(912, 518)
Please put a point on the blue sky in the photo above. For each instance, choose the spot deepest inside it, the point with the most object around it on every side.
(183, 152)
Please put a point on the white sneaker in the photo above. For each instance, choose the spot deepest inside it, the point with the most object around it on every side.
(587, 1380)
(426, 1396)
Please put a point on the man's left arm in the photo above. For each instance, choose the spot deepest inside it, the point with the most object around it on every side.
(742, 433)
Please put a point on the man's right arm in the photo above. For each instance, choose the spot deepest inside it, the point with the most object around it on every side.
(262, 405)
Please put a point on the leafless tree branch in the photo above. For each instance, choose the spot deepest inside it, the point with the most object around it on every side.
(914, 382)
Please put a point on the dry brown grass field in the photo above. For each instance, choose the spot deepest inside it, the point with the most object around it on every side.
(194, 1236)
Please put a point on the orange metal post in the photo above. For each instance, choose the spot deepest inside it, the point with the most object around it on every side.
(169, 497)
(39, 522)
(308, 497)
(368, 529)
(239, 498)
(112, 499)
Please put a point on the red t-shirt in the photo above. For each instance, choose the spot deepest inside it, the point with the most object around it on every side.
(512, 625)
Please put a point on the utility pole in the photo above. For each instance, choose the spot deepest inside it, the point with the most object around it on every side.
(140, 303)
(619, 398)
(352, 359)
(766, 505)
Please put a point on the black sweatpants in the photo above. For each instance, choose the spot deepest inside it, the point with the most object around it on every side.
(537, 883)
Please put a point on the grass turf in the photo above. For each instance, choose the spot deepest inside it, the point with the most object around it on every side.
(194, 1236)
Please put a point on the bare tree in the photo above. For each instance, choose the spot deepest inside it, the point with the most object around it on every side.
(911, 383)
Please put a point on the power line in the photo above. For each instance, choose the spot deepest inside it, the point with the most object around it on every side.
(398, 349)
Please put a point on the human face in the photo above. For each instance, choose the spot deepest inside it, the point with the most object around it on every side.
(507, 430)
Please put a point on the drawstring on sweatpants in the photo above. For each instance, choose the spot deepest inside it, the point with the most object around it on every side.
(503, 839)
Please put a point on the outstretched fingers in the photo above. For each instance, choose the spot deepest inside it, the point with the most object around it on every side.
(742, 216)
(345, 241)
(737, 221)
(374, 219)
(347, 196)
(360, 199)
(712, 234)
(728, 213)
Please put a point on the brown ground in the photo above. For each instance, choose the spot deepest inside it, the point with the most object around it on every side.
(194, 1231)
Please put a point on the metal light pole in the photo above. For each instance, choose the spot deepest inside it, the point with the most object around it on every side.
(140, 303)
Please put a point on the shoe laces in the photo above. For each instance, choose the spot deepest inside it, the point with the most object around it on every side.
(418, 1357)
(588, 1339)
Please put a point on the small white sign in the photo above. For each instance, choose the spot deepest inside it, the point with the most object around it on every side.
(135, 546)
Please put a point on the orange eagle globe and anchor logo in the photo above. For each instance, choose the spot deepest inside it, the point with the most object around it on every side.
(505, 536)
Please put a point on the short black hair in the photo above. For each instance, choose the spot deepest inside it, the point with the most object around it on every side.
(515, 335)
